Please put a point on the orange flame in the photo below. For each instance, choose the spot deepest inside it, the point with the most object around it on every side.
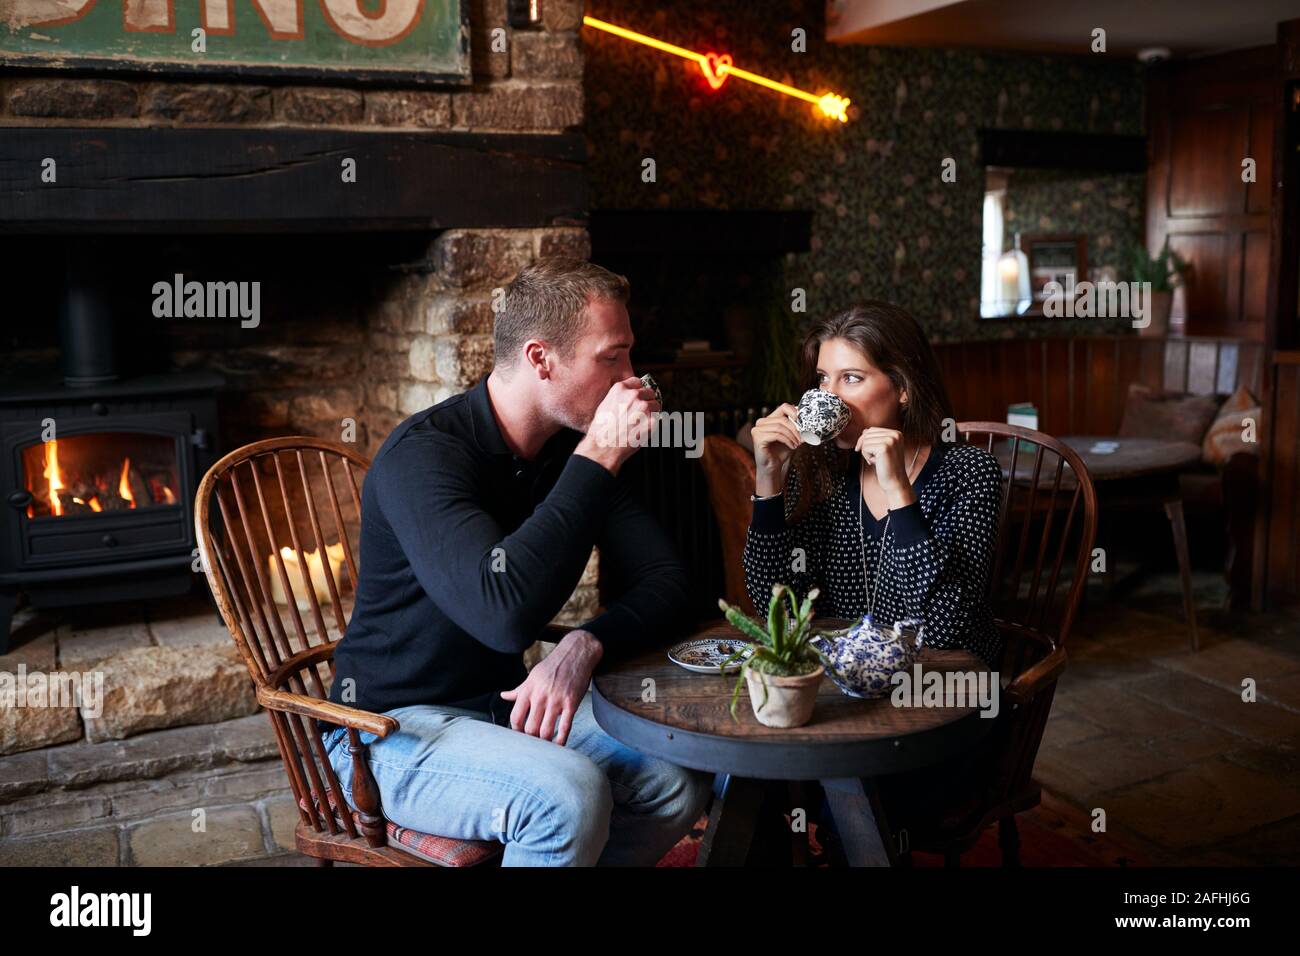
(52, 475)
(124, 486)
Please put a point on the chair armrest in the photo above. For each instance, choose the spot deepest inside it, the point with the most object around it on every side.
(344, 716)
(1028, 685)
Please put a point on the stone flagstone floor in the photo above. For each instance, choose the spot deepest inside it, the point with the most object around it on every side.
(1142, 728)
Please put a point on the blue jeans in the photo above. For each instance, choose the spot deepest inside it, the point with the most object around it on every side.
(454, 773)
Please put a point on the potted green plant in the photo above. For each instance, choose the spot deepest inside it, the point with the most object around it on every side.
(1165, 273)
(784, 671)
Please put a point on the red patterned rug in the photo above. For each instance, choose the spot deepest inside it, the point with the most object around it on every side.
(1052, 834)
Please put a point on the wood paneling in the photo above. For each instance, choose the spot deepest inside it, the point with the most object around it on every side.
(1206, 117)
(1254, 303)
(1277, 538)
(1079, 385)
(1283, 568)
(1203, 144)
(1259, 194)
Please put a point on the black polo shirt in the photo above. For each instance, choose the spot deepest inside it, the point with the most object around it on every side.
(468, 551)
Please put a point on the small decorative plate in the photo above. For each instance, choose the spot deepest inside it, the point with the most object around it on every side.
(706, 655)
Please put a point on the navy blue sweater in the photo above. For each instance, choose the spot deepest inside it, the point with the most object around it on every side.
(468, 552)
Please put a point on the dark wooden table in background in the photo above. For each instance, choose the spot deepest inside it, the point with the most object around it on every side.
(687, 721)
(1139, 475)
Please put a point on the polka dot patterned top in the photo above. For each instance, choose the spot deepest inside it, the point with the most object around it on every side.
(936, 558)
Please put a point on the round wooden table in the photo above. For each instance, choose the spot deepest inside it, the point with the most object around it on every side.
(1133, 458)
(1140, 475)
(658, 708)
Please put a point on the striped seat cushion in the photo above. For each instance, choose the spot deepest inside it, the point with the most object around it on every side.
(443, 851)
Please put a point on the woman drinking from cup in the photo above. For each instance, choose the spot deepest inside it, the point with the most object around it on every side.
(859, 495)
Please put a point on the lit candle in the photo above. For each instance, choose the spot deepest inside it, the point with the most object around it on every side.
(315, 571)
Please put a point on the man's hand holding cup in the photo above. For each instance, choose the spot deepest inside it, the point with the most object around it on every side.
(622, 423)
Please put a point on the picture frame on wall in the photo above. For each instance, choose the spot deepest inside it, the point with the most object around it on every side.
(415, 42)
(1061, 258)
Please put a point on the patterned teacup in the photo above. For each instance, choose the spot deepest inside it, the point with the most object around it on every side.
(822, 416)
(648, 381)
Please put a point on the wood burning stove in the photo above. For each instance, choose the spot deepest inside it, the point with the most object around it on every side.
(101, 510)
(98, 472)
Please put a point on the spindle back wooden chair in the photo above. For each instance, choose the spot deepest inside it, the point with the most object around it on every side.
(1045, 536)
(260, 513)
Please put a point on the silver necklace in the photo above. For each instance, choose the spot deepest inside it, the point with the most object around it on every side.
(880, 555)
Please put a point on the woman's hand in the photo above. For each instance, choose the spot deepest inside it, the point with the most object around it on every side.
(775, 439)
(883, 450)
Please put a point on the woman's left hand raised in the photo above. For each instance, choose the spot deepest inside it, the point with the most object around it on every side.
(883, 450)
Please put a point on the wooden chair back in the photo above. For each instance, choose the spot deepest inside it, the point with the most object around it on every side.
(281, 518)
(729, 471)
(1044, 552)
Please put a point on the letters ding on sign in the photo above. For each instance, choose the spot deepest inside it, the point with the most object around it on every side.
(403, 40)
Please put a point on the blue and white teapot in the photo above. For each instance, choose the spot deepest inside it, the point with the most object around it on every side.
(861, 659)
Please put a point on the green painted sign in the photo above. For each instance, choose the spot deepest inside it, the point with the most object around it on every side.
(407, 40)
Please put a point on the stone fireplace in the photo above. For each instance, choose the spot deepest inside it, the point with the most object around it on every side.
(375, 301)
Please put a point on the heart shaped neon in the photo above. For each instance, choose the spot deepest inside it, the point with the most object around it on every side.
(714, 68)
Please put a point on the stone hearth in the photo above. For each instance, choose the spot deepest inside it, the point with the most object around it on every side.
(172, 664)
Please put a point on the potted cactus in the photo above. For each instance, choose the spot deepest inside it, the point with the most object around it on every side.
(784, 671)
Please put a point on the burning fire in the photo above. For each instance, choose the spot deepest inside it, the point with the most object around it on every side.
(124, 486)
(53, 476)
(78, 484)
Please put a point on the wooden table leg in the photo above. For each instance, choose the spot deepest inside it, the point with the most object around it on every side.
(1174, 510)
(858, 820)
(732, 822)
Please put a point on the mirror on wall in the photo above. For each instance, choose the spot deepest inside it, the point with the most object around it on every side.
(1058, 208)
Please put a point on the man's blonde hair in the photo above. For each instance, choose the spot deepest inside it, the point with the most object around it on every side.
(546, 301)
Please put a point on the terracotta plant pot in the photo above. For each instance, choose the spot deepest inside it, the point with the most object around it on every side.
(789, 700)
(1159, 307)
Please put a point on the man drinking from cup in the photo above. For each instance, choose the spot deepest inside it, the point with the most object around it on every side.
(479, 515)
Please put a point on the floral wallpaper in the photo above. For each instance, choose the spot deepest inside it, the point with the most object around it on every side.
(885, 224)
(1107, 209)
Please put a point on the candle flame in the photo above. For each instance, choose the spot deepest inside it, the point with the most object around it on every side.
(316, 571)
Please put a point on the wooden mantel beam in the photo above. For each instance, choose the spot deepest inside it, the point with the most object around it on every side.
(123, 180)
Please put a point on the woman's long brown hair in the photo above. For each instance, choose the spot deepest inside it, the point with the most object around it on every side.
(894, 343)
